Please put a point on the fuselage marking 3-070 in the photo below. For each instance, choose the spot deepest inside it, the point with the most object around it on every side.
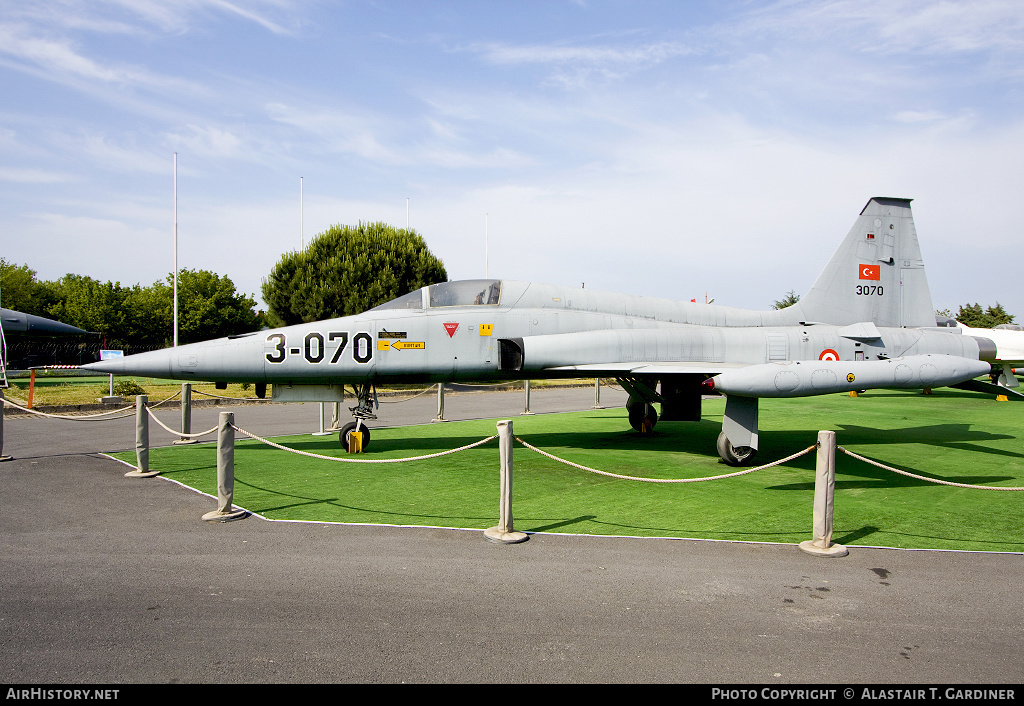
(314, 350)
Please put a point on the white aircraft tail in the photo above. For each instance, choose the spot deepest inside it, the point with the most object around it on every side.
(876, 275)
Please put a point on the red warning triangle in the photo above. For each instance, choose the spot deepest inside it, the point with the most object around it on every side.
(451, 329)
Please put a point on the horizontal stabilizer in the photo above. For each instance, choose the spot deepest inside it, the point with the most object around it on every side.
(864, 331)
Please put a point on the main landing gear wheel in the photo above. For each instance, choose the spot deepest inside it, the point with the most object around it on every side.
(642, 416)
(351, 427)
(735, 455)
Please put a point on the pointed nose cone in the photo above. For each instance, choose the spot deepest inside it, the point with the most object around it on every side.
(154, 364)
(17, 321)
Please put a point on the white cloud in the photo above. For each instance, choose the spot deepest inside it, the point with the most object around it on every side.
(208, 142)
(143, 16)
(57, 60)
(33, 176)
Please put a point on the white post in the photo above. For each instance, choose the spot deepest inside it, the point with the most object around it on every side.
(824, 496)
(503, 533)
(597, 393)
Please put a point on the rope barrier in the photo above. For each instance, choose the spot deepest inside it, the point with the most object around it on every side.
(164, 400)
(176, 432)
(78, 418)
(363, 460)
(406, 399)
(89, 417)
(667, 480)
(925, 478)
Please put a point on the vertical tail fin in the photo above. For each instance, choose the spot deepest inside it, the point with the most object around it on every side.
(876, 275)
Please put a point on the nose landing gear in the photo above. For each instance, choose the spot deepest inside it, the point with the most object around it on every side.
(366, 396)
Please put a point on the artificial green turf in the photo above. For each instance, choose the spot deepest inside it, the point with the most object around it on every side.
(956, 436)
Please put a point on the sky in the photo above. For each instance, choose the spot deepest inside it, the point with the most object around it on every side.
(681, 149)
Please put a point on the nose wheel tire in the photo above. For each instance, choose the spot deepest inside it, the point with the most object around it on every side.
(351, 427)
(735, 455)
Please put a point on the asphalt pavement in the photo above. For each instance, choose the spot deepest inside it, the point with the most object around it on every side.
(114, 580)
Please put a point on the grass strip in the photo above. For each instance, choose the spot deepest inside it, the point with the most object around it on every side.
(956, 436)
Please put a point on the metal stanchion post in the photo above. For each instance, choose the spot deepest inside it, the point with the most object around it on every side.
(597, 393)
(824, 496)
(526, 386)
(225, 472)
(141, 440)
(503, 533)
(323, 421)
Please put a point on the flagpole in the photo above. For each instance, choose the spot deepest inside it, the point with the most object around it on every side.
(175, 249)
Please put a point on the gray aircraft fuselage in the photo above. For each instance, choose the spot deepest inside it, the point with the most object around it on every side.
(534, 330)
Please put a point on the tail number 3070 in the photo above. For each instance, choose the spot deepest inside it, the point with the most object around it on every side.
(314, 348)
(868, 290)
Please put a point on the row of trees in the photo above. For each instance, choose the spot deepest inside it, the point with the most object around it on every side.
(343, 271)
(133, 317)
(974, 316)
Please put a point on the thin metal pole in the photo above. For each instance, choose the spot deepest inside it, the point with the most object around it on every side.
(175, 249)
(302, 237)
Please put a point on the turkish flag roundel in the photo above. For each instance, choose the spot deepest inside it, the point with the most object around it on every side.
(870, 272)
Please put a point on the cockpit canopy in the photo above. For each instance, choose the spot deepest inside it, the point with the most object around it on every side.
(467, 292)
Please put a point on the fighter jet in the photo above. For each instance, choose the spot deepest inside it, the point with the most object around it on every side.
(12, 321)
(867, 322)
(1008, 358)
